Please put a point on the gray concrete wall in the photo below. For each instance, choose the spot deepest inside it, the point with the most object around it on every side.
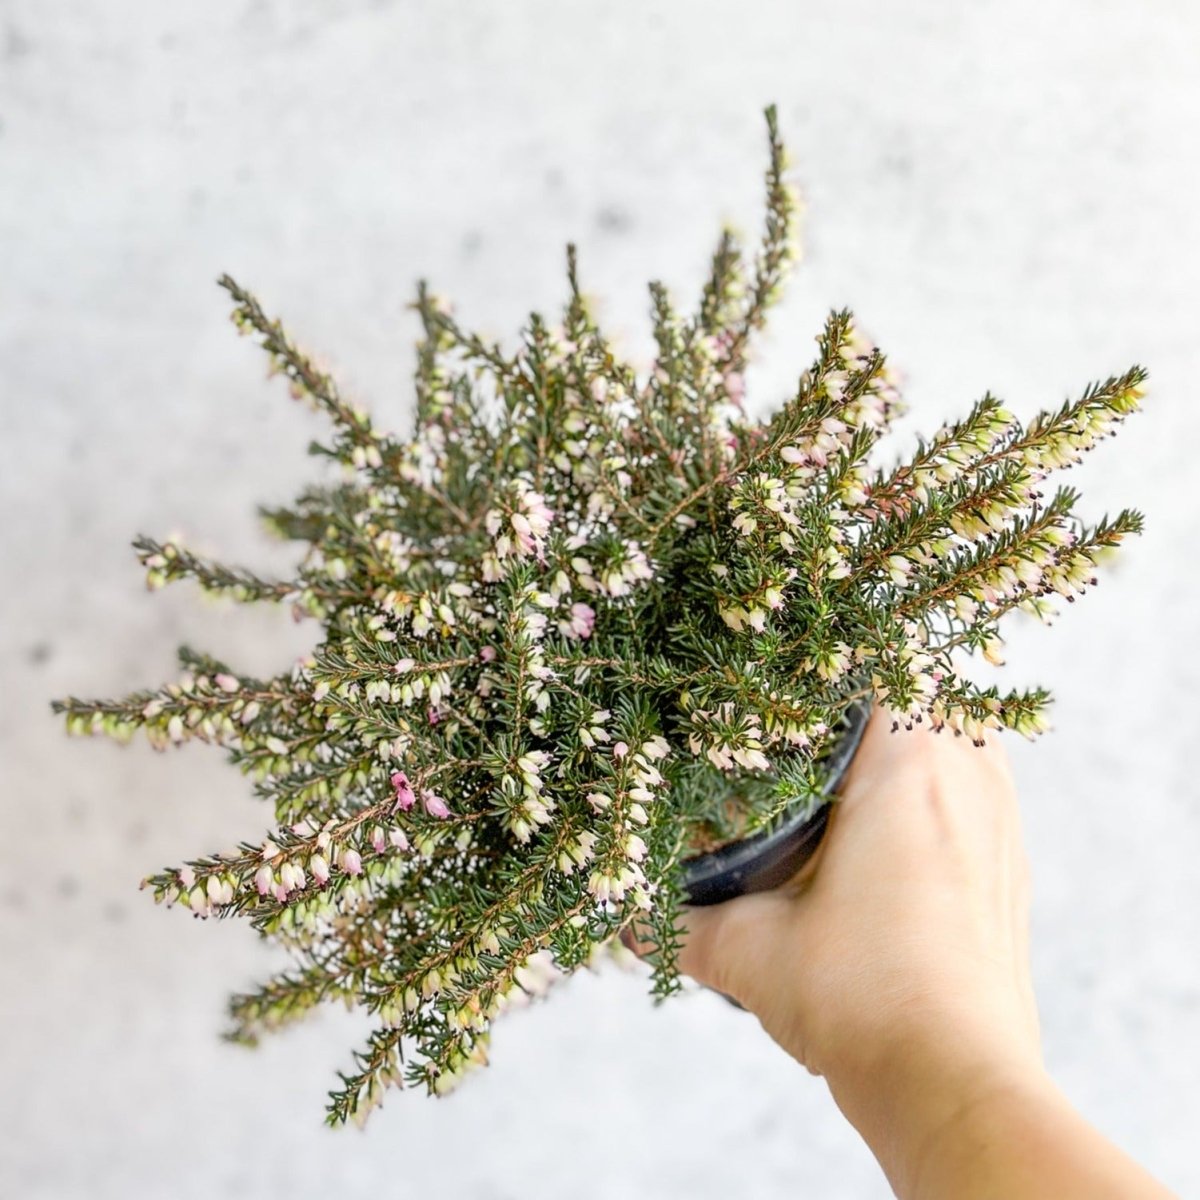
(1006, 192)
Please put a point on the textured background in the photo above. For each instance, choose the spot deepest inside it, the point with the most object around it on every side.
(1006, 192)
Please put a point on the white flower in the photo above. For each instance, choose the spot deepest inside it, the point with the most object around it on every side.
(751, 757)
(833, 663)
(656, 747)
(1031, 723)
(898, 568)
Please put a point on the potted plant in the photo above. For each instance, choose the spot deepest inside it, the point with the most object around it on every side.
(594, 643)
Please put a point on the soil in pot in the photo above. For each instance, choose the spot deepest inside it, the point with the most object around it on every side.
(767, 859)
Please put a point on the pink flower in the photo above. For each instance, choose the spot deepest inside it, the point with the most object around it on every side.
(620, 750)
(487, 654)
(735, 386)
(434, 715)
(582, 622)
(435, 806)
(523, 529)
(352, 862)
(405, 796)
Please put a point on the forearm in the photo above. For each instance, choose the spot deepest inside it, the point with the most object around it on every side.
(1006, 1134)
(1026, 1140)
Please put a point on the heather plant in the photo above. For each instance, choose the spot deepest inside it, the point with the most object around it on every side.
(584, 621)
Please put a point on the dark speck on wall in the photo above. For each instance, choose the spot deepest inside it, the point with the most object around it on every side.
(613, 220)
(898, 164)
(40, 653)
(16, 44)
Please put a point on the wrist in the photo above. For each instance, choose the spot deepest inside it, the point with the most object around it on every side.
(917, 1099)
(1018, 1135)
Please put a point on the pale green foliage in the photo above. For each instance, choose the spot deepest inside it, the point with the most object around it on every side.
(593, 615)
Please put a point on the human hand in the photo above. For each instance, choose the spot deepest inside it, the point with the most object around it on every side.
(912, 918)
(897, 966)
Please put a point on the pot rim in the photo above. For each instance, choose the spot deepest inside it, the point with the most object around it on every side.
(772, 856)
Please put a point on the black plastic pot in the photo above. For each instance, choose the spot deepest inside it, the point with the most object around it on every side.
(772, 857)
